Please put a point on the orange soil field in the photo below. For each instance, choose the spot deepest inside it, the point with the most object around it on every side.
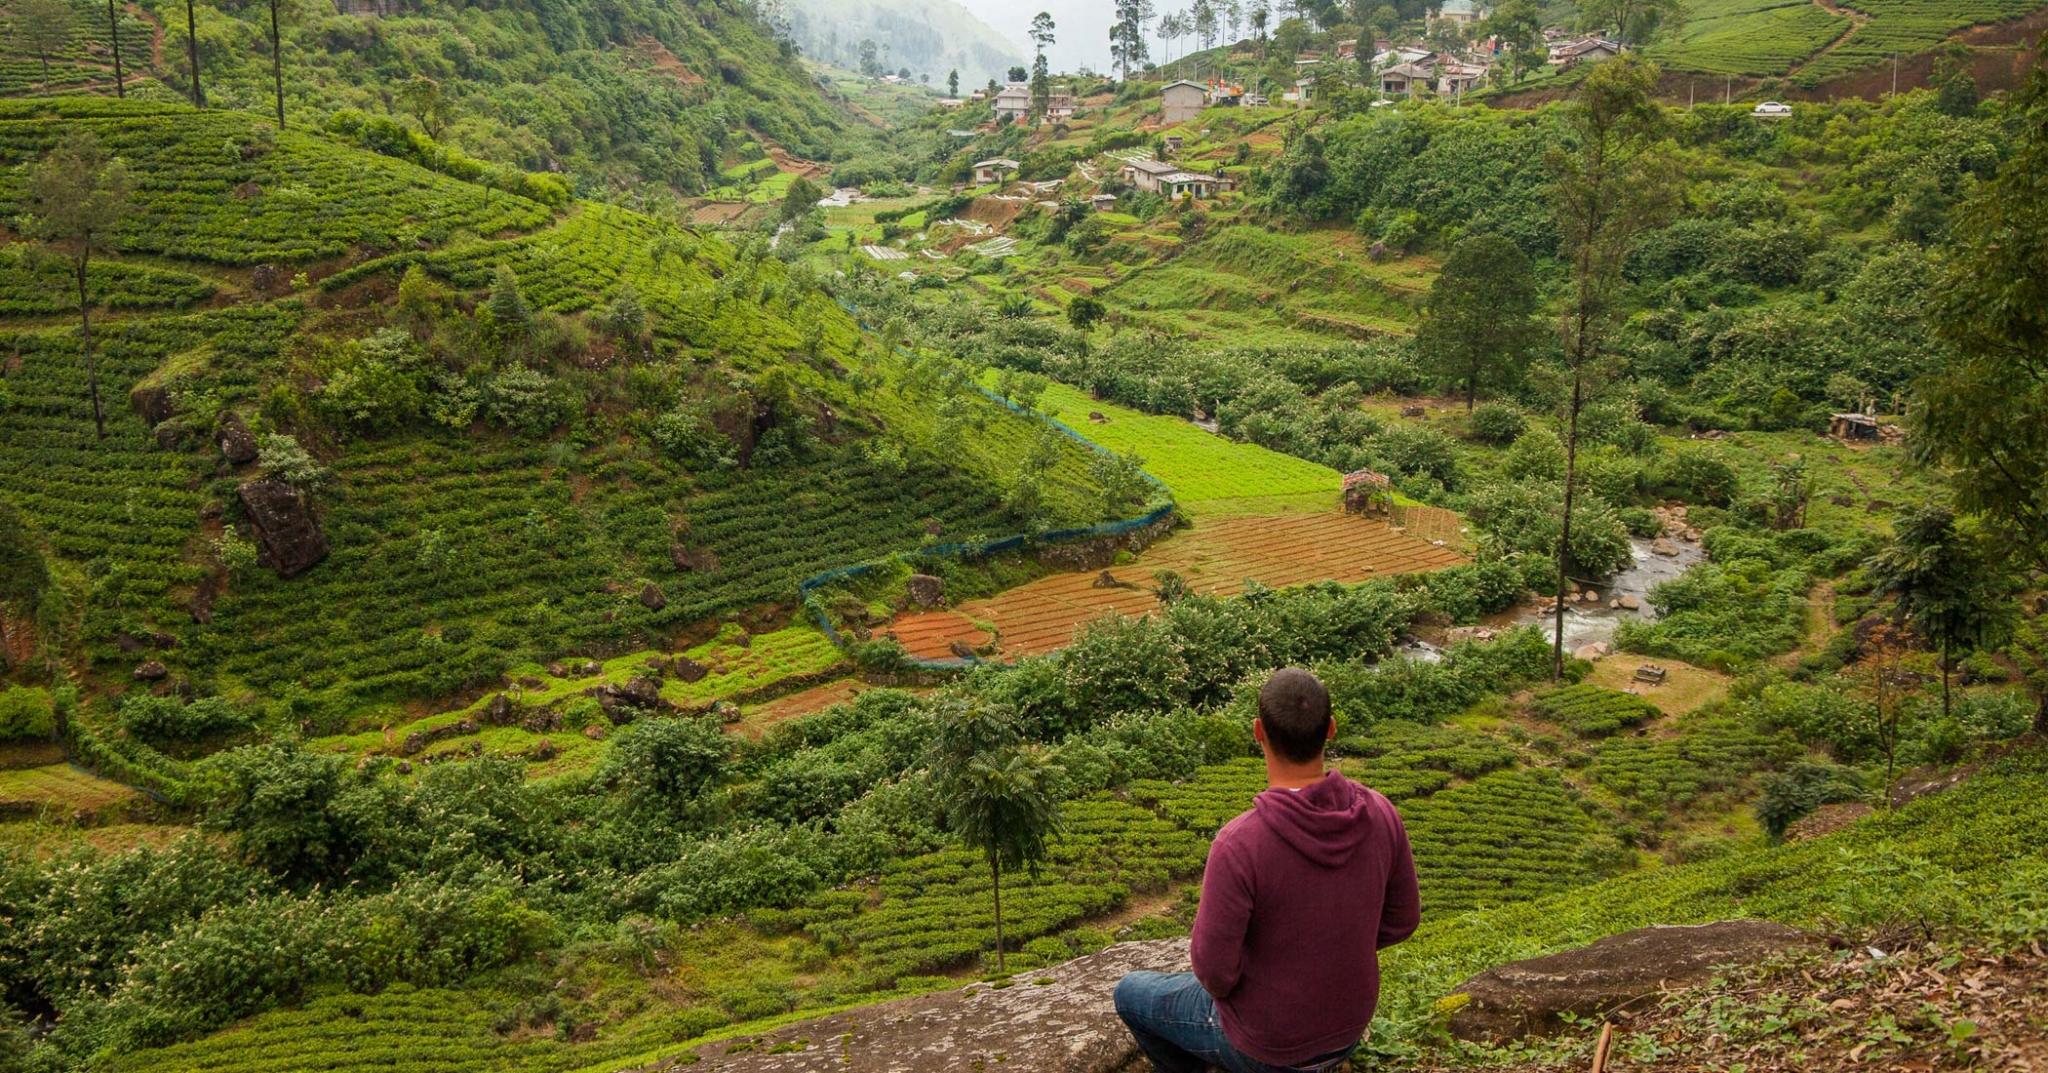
(1216, 557)
(930, 634)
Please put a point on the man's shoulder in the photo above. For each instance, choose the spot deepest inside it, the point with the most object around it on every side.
(1241, 828)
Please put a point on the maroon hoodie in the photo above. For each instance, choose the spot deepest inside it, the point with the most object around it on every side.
(1299, 896)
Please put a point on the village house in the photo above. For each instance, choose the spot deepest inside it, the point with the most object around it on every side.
(1013, 102)
(1180, 184)
(1182, 101)
(1462, 12)
(1403, 79)
(1583, 49)
(994, 171)
(1455, 79)
(1059, 104)
(1145, 173)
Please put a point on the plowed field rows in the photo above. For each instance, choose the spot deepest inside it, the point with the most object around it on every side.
(1216, 557)
(930, 634)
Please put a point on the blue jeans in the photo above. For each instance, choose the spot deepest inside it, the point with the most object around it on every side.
(1174, 1022)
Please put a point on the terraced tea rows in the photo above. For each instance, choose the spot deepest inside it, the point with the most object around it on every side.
(290, 197)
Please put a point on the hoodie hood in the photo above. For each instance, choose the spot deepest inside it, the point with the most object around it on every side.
(1324, 821)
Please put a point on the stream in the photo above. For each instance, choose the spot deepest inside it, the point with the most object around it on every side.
(1596, 622)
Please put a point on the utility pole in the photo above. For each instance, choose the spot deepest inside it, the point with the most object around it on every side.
(1895, 74)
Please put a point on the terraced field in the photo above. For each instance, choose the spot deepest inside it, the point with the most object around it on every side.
(1217, 557)
(1762, 38)
(1207, 473)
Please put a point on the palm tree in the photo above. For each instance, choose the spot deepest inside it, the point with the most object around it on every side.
(997, 791)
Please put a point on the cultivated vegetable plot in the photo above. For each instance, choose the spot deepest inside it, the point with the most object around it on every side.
(934, 911)
(215, 187)
(1217, 557)
(1592, 711)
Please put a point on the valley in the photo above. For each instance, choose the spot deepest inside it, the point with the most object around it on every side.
(512, 521)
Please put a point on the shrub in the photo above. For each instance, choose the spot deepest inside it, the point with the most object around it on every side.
(26, 712)
(1800, 789)
(1499, 423)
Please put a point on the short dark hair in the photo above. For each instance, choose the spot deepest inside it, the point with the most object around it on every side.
(1295, 709)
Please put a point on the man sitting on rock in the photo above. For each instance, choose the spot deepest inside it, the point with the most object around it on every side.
(1300, 895)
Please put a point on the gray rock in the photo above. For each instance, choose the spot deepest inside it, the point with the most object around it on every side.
(926, 591)
(150, 670)
(689, 670)
(1053, 1020)
(652, 598)
(1531, 998)
(153, 403)
(237, 443)
(1663, 546)
(285, 525)
(1631, 602)
(1596, 650)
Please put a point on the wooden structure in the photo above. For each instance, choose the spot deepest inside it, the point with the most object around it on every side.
(1366, 492)
(1853, 426)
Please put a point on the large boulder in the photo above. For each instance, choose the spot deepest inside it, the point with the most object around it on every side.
(237, 443)
(1055, 1020)
(1532, 998)
(153, 402)
(285, 525)
(926, 591)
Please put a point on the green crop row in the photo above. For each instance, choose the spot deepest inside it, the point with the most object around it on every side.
(226, 188)
(35, 287)
(1592, 711)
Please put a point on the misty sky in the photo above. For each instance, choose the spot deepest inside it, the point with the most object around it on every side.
(1081, 26)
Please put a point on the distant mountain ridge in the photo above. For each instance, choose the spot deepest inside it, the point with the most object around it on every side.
(930, 37)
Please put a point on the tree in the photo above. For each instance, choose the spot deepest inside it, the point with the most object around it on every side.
(870, 66)
(421, 97)
(953, 82)
(1127, 35)
(277, 63)
(1941, 584)
(1609, 187)
(1518, 26)
(114, 36)
(192, 52)
(997, 792)
(1983, 414)
(511, 317)
(1955, 89)
(1260, 13)
(1634, 22)
(803, 196)
(77, 196)
(1084, 313)
(40, 28)
(1041, 77)
(1478, 324)
(1018, 74)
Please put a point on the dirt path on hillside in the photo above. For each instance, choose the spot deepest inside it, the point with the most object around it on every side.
(1857, 20)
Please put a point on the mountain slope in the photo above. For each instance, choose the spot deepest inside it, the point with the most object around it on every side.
(928, 36)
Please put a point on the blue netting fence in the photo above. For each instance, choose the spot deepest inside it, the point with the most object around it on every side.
(982, 550)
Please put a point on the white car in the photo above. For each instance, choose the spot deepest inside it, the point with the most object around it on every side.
(1772, 110)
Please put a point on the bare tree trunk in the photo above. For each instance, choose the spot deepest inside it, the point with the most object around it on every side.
(92, 369)
(995, 871)
(114, 33)
(2041, 718)
(277, 64)
(192, 52)
(1945, 668)
(1564, 542)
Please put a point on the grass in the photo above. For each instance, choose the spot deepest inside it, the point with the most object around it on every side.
(1204, 471)
(60, 787)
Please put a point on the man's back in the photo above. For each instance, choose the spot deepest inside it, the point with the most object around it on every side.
(1299, 896)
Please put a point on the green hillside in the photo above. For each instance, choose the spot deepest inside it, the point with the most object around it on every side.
(1778, 37)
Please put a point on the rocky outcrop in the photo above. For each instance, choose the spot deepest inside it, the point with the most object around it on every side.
(285, 526)
(154, 403)
(1056, 1020)
(1531, 998)
(652, 598)
(926, 591)
(237, 443)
